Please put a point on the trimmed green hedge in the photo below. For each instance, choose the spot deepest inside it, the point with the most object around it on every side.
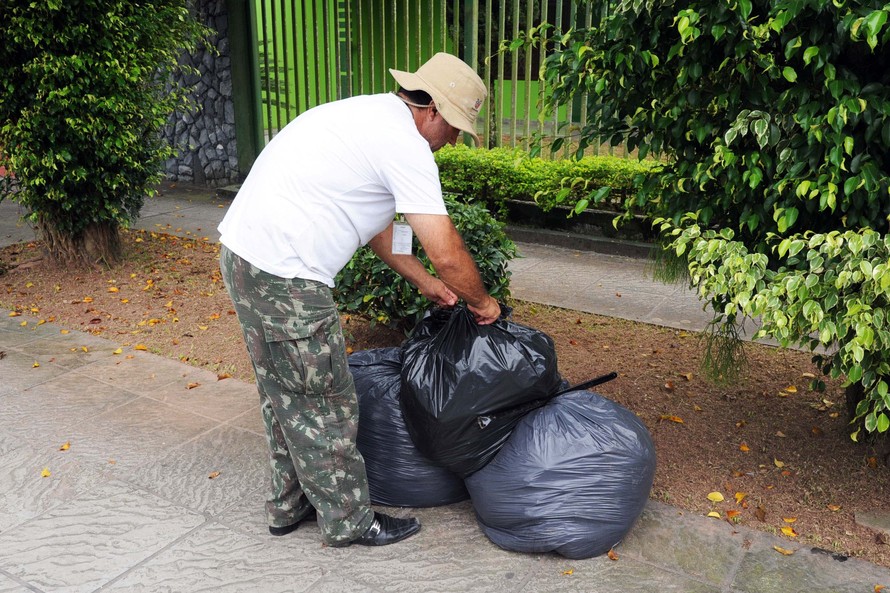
(500, 174)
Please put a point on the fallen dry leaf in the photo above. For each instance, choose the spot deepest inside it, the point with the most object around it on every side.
(783, 551)
(213, 475)
(714, 514)
(778, 463)
(834, 507)
(789, 531)
(670, 418)
(760, 513)
(789, 519)
(192, 385)
(222, 376)
(613, 555)
(740, 496)
(45, 473)
(715, 497)
(744, 447)
(568, 572)
(65, 446)
(140, 347)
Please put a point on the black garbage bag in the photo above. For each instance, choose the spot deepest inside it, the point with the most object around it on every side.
(464, 385)
(573, 478)
(398, 475)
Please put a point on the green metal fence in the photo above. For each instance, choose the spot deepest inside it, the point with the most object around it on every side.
(314, 51)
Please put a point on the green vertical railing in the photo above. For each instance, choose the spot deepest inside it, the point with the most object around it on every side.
(309, 52)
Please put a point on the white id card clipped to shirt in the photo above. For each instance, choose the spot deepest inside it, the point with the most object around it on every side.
(401, 238)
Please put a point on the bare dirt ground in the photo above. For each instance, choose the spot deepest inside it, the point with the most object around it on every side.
(777, 453)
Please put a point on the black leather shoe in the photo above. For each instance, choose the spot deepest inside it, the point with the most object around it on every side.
(384, 530)
(310, 516)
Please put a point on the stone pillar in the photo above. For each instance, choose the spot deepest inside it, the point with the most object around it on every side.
(204, 140)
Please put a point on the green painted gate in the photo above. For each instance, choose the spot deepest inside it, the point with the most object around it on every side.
(301, 53)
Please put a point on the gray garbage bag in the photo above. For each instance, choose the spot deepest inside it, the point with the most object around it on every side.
(398, 475)
(572, 478)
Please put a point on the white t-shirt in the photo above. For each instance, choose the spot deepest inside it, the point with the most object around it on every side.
(330, 181)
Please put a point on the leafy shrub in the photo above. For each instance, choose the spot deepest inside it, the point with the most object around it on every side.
(772, 119)
(829, 292)
(367, 286)
(500, 174)
(84, 93)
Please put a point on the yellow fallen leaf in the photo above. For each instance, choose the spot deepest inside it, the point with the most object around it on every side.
(192, 385)
(45, 473)
(791, 389)
(789, 531)
(744, 447)
(697, 408)
(113, 289)
(568, 572)
(715, 497)
(41, 322)
(714, 514)
(687, 376)
(808, 375)
(879, 588)
(780, 434)
(88, 299)
(222, 376)
(778, 463)
(613, 555)
(203, 327)
(64, 332)
(35, 365)
(670, 418)
(834, 508)
(789, 519)
(140, 347)
(65, 446)
(740, 496)
(14, 313)
(213, 475)
(84, 348)
(783, 551)
(29, 284)
(23, 323)
(125, 301)
(118, 351)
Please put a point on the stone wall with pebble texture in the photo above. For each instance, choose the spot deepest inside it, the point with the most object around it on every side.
(204, 139)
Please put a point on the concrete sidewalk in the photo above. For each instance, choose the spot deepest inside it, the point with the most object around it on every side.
(130, 505)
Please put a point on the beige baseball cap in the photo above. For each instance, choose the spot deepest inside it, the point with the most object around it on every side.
(456, 89)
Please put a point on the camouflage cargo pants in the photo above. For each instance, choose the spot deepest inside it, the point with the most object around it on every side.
(307, 398)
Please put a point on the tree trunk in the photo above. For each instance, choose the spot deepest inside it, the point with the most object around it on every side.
(100, 242)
